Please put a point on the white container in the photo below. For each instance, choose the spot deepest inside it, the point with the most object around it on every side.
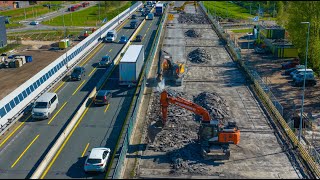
(130, 65)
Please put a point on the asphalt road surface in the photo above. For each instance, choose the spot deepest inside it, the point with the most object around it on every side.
(28, 144)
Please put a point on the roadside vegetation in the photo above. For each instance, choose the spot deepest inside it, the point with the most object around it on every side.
(9, 47)
(90, 16)
(242, 30)
(44, 35)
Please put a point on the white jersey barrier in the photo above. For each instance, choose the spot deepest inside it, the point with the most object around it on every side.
(18, 99)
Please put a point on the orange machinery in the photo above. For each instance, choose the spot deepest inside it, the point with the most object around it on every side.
(214, 137)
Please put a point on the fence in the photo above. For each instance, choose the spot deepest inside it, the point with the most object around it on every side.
(15, 103)
(139, 91)
(268, 99)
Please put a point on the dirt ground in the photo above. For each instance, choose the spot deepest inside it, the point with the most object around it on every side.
(11, 78)
(258, 155)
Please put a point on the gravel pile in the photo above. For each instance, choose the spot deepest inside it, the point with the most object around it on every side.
(179, 138)
(199, 55)
(191, 33)
(187, 18)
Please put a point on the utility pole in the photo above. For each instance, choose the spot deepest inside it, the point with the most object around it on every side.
(250, 8)
(274, 9)
(25, 15)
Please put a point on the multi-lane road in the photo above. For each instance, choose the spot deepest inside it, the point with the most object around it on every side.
(24, 148)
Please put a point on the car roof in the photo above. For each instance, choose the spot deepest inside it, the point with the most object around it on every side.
(96, 153)
(102, 92)
(306, 70)
(45, 97)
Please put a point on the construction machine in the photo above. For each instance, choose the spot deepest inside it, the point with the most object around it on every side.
(168, 70)
(213, 136)
(181, 8)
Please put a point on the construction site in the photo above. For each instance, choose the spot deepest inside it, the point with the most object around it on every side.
(209, 91)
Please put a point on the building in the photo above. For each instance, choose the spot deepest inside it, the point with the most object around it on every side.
(3, 32)
(20, 4)
(5, 5)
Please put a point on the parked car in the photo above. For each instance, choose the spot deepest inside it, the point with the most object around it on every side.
(105, 61)
(77, 73)
(289, 65)
(97, 160)
(300, 71)
(259, 50)
(310, 80)
(102, 97)
(138, 38)
(134, 16)
(34, 23)
(123, 39)
(309, 75)
(288, 71)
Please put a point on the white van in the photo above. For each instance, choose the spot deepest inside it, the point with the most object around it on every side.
(111, 36)
(44, 106)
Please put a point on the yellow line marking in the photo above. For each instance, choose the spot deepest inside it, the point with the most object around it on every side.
(59, 87)
(144, 35)
(57, 112)
(6, 139)
(92, 54)
(64, 143)
(85, 149)
(92, 71)
(25, 151)
(110, 50)
(78, 87)
(107, 108)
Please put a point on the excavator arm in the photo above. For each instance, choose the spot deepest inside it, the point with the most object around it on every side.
(165, 100)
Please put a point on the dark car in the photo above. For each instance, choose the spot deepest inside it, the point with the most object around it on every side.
(77, 73)
(288, 71)
(309, 82)
(289, 65)
(133, 24)
(102, 97)
(138, 38)
(105, 61)
(123, 40)
(134, 16)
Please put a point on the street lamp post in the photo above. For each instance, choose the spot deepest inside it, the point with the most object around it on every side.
(304, 80)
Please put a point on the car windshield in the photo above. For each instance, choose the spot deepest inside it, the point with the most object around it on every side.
(94, 161)
(41, 105)
(77, 70)
(100, 97)
(123, 38)
(109, 35)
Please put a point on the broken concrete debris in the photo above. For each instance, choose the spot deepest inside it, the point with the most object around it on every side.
(178, 139)
(192, 33)
(186, 18)
(199, 55)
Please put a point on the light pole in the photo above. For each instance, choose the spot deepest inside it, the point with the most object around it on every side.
(304, 80)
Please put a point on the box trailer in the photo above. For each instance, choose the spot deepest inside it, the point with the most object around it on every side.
(159, 9)
(130, 65)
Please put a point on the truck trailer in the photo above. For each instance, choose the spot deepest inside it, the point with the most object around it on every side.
(130, 65)
(159, 9)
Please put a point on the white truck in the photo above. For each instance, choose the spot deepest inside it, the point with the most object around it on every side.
(130, 65)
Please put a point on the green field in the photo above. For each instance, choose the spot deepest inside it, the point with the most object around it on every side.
(226, 9)
(242, 30)
(89, 16)
(48, 35)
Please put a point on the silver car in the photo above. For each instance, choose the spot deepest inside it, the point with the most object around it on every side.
(97, 160)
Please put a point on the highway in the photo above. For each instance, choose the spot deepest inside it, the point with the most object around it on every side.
(101, 125)
(24, 148)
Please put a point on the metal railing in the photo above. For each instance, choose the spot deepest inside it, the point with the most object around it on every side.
(268, 99)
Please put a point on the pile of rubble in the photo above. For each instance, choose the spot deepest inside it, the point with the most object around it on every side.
(191, 33)
(214, 104)
(187, 18)
(199, 55)
(178, 139)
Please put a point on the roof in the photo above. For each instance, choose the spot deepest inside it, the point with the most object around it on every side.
(159, 5)
(45, 97)
(102, 92)
(96, 153)
(132, 53)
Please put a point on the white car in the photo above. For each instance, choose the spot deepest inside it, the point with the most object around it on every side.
(97, 160)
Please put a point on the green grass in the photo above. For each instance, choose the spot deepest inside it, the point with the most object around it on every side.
(226, 9)
(88, 17)
(8, 48)
(242, 30)
(13, 25)
(49, 35)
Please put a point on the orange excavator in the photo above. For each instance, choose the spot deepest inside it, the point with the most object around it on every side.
(214, 137)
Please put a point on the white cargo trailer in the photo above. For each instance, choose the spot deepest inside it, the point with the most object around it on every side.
(130, 65)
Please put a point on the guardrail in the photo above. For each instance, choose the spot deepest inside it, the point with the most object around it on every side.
(14, 104)
(41, 169)
(309, 161)
(136, 102)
